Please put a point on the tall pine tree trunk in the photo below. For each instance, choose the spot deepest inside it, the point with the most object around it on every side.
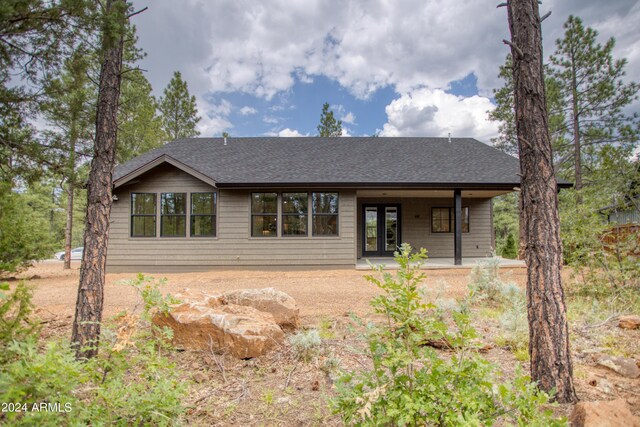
(71, 176)
(88, 316)
(68, 231)
(551, 365)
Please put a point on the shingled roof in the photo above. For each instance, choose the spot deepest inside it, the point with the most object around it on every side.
(367, 161)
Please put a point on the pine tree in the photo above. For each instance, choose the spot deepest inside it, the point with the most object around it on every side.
(139, 125)
(35, 36)
(329, 126)
(589, 83)
(69, 108)
(179, 111)
(551, 365)
(88, 314)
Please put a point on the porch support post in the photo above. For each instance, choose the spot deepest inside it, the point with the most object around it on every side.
(457, 227)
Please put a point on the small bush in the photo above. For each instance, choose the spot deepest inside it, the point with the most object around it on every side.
(15, 308)
(130, 383)
(410, 384)
(485, 282)
(305, 344)
(515, 326)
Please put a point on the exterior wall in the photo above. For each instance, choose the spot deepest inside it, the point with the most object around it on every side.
(233, 246)
(415, 226)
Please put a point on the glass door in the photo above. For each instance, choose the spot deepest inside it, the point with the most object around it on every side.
(381, 229)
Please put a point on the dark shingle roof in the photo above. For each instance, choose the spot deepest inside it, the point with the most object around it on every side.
(338, 161)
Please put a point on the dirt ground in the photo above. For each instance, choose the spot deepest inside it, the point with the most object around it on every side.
(277, 389)
(318, 292)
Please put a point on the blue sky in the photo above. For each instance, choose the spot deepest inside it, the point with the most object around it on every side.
(395, 68)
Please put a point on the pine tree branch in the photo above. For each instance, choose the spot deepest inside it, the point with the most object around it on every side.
(514, 47)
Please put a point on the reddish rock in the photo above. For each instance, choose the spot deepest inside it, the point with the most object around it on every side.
(241, 331)
(190, 296)
(283, 308)
(629, 322)
(613, 413)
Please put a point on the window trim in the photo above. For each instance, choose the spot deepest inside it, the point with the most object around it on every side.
(154, 215)
(214, 215)
(337, 215)
(174, 215)
(276, 214)
(451, 219)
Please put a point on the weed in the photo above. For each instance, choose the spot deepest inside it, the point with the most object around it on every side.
(326, 329)
(305, 344)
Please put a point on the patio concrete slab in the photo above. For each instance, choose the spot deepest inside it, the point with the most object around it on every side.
(438, 263)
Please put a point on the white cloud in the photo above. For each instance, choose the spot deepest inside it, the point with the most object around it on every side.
(247, 111)
(427, 112)
(262, 48)
(286, 132)
(224, 108)
(214, 118)
(270, 119)
(348, 118)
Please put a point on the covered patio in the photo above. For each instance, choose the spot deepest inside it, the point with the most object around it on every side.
(454, 225)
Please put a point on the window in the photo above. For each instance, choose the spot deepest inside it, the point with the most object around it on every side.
(203, 214)
(294, 214)
(143, 215)
(442, 220)
(325, 214)
(173, 218)
(264, 214)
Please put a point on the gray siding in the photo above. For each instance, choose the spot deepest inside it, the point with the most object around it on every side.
(416, 226)
(233, 246)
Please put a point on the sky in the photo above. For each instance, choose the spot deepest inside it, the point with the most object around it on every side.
(386, 67)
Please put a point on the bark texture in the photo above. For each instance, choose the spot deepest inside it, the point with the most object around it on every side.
(88, 315)
(551, 365)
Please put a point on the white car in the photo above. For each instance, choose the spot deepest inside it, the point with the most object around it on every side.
(76, 254)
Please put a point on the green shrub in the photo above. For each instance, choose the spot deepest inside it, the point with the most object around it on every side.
(149, 290)
(485, 282)
(130, 383)
(410, 384)
(15, 308)
(24, 231)
(514, 323)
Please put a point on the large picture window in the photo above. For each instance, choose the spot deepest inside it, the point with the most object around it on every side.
(203, 214)
(295, 214)
(325, 214)
(143, 215)
(173, 214)
(264, 214)
(442, 220)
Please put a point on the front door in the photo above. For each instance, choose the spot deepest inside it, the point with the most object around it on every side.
(381, 229)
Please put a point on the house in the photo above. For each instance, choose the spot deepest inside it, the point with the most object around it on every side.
(202, 203)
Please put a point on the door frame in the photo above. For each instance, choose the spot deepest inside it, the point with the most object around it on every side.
(381, 235)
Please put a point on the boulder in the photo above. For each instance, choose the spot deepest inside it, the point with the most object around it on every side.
(241, 331)
(190, 296)
(613, 413)
(629, 322)
(270, 300)
(622, 365)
